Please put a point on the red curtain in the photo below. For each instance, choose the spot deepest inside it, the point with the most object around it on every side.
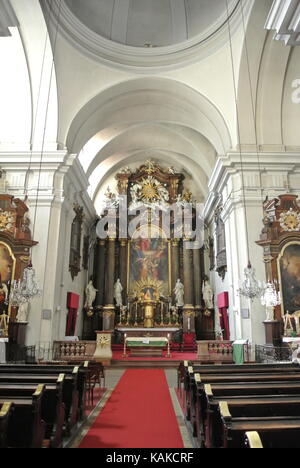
(223, 305)
(72, 305)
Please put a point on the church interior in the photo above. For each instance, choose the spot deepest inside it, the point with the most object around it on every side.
(150, 224)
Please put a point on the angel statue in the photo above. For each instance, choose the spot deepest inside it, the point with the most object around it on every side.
(179, 293)
(208, 295)
(91, 293)
(118, 293)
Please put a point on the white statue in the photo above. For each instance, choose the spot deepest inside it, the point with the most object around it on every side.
(118, 293)
(23, 312)
(208, 295)
(296, 356)
(179, 293)
(91, 293)
(269, 299)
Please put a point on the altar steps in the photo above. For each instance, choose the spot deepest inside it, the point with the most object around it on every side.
(145, 364)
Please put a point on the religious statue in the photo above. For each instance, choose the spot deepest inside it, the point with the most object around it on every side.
(118, 293)
(175, 315)
(90, 292)
(208, 295)
(23, 311)
(269, 299)
(179, 293)
(3, 295)
(123, 315)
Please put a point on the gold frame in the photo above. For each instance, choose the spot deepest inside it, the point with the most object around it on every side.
(13, 270)
(129, 292)
(280, 256)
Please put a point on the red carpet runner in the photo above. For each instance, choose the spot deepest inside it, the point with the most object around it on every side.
(139, 414)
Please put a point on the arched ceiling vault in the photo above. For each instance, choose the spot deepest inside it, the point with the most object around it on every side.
(148, 118)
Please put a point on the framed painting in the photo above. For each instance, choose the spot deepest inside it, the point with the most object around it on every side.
(149, 265)
(289, 275)
(7, 274)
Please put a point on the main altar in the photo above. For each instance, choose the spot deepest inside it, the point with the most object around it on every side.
(142, 261)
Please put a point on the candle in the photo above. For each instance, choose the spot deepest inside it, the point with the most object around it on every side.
(189, 323)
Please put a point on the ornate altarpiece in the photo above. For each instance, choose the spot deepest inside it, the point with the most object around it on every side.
(15, 245)
(150, 260)
(280, 239)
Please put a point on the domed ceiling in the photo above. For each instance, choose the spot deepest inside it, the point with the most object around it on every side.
(151, 23)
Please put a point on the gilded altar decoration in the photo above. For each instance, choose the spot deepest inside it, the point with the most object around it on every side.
(15, 245)
(290, 221)
(149, 192)
(7, 220)
(103, 340)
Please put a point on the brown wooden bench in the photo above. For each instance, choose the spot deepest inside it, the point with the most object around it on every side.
(248, 406)
(52, 407)
(25, 428)
(69, 391)
(275, 432)
(6, 409)
(82, 370)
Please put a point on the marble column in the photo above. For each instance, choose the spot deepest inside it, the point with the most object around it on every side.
(100, 283)
(123, 260)
(109, 308)
(197, 288)
(175, 261)
(188, 273)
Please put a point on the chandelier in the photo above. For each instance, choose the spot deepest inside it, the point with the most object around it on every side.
(25, 290)
(250, 286)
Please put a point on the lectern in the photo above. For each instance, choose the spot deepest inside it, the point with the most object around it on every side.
(103, 351)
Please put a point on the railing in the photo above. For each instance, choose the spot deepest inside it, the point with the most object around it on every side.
(220, 351)
(269, 354)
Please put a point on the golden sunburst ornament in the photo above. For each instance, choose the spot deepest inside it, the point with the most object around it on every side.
(290, 221)
(149, 191)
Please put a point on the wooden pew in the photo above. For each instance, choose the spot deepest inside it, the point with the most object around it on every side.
(70, 390)
(52, 409)
(186, 371)
(26, 429)
(6, 409)
(275, 432)
(82, 370)
(203, 392)
(192, 387)
(253, 440)
(245, 406)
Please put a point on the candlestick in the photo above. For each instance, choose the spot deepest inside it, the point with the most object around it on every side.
(124, 353)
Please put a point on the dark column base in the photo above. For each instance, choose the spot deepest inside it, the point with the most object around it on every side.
(273, 333)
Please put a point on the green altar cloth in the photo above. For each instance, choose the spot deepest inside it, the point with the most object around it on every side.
(238, 352)
(152, 344)
(146, 342)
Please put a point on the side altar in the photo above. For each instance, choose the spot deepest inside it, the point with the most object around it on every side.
(146, 277)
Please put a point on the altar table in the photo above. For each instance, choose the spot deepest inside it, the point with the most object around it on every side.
(146, 346)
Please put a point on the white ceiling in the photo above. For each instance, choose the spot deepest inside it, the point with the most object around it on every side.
(156, 23)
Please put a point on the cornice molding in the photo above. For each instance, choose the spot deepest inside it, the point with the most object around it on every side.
(284, 17)
(8, 18)
(141, 60)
